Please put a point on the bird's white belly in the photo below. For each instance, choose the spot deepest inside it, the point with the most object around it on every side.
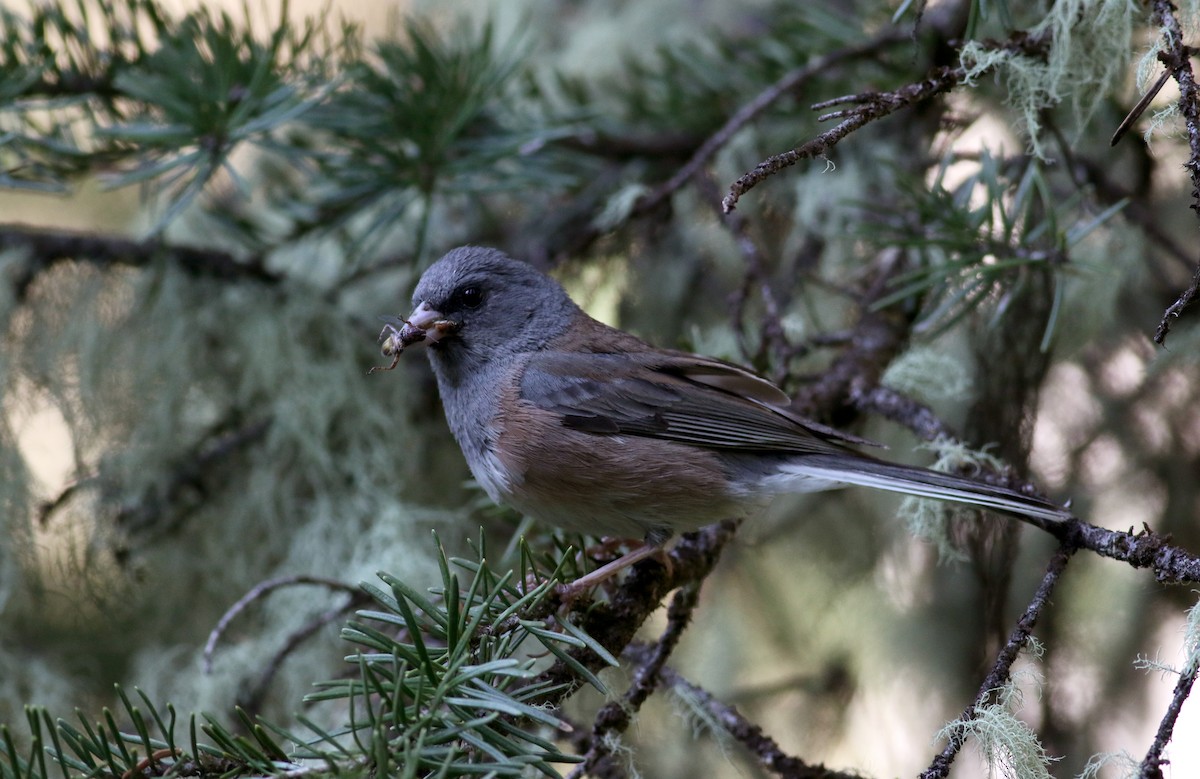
(491, 474)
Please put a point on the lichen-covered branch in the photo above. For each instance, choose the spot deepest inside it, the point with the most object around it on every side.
(614, 717)
(1176, 56)
(1002, 668)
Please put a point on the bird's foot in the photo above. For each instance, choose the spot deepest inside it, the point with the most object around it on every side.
(569, 591)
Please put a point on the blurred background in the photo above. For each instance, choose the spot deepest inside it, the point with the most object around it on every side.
(187, 417)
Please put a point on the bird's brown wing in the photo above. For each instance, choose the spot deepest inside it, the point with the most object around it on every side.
(672, 396)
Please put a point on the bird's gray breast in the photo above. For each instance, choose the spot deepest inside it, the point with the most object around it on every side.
(471, 396)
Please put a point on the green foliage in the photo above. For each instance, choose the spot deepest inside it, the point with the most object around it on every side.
(220, 423)
(355, 137)
(421, 113)
(694, 85)
(168, 100)
(446, 684)
(452, 693)
(976, 240)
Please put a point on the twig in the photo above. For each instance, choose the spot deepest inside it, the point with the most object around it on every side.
(615, 623)
(1171, 564)
(764, 748)
(1139, 108)
(901, 409)
(772, 334)
(1176, 57)
(703, 154)
(261, 590)
(1002, 668)
(870, 107)
(786, 84)
(252, 699)
(615, 716)
(877, 337)
(1176, 309)
(1151, 767)
(882, 104)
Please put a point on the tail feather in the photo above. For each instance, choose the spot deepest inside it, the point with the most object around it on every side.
(922, 483)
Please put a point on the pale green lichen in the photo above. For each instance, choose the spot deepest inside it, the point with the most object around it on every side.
(690, 704)
(1191, 650)
(928, 373)
(622, 753)
(1007, 745)
(1122, 763)
(930, 519)
(1191, 640)
(1089, 49)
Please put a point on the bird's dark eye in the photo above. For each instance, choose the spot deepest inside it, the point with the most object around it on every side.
(471, 297)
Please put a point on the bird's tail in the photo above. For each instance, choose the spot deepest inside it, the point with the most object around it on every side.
(920, 482)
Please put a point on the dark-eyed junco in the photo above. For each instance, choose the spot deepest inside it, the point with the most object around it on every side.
(589, 428)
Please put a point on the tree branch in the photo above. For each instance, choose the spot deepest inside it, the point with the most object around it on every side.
(1176, 56)
(786, 84)
(1176, 309)
(615, 716)
(1151, 767)
(1002, 669)
(765, 749)
(49, 247)
(257, 592)
(615, 623)
(871, 107)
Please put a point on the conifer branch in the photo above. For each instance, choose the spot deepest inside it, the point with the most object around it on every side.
(765, 750)
(788, 84)
(1176, 56)
(44, 248)
(388, 145)
(615, 623)
(1001, 670)
(614, 717)
(869, 107)
(1152, 764)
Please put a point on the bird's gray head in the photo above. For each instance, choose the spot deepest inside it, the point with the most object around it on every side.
(479, 305)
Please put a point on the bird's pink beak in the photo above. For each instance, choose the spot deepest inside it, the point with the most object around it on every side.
(424, 325)
(430, 322)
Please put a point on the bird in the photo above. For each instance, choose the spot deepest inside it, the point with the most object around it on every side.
(589, 428)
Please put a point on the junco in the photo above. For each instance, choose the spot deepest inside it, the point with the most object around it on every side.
(589, 428)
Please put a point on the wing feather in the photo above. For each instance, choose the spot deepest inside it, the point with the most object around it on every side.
(672, 396)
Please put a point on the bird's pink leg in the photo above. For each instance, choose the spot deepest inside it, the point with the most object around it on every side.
(569, 592)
